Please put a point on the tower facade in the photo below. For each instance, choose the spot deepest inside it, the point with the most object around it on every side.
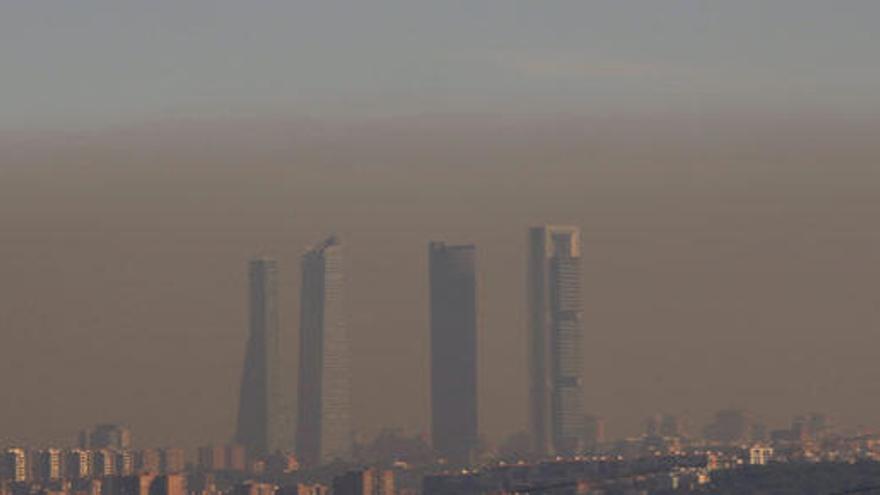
(324, 421)
(453, 351)
(555, 318)
(260, 411)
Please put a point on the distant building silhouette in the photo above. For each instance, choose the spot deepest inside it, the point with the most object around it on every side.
(148, 461)
(104, 463)
(169, 484)
(734, 427)
(554, 295)
(453, 351)
(212, 458)
(172, 460)
(672, 425)
(652, 425)
(236, 458)
(222, 458)
(125, 463)
(254, 488)
(144, 484)
(760, 455)
(594, 433)
(14, 466)
(128, 485)
(364, 482)
(50, 465)
(324, 420)
(79, 464)
(260, 410)
(106, 436)
(311, 489)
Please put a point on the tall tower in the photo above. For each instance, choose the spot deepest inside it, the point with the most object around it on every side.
(324, 421)
(453, 351)
(260, 410)
(554, 293)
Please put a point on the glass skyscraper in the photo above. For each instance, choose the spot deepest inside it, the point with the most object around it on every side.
(555, 318)
(453, 287)
(260, 411)
(324, 430)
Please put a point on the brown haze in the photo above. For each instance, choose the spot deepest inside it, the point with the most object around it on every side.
(731, 260)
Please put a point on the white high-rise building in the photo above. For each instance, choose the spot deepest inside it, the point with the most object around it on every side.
(556, 361)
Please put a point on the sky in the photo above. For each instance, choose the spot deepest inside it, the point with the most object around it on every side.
(720, 157)
(96, 63)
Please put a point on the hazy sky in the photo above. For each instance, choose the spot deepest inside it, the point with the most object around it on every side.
(721, 158)
(94, 62)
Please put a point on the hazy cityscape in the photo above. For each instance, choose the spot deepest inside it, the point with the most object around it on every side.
(384, 247)
(317, 451)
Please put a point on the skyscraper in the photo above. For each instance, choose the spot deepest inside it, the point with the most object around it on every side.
(554, 293)
(453, 351)
(324, 424)
(260, 411)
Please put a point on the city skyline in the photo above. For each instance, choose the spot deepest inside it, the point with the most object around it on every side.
(563, 450)
(553, 272)
(720, 157)
(613, 423)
